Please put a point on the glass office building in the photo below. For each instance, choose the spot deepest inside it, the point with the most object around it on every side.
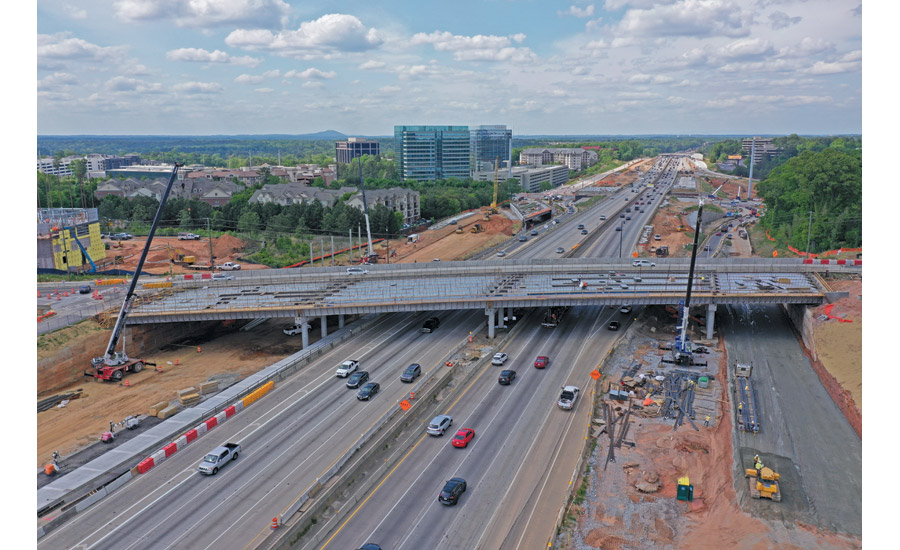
(428, 153)
(490, 147)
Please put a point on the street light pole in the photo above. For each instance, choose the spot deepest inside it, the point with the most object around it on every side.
(621, 237)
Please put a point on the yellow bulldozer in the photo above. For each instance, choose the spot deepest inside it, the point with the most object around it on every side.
(763, 483)
(477, 228)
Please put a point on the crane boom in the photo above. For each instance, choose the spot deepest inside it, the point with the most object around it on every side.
(110, 358)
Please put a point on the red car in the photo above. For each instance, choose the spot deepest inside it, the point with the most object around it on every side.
(462, 437)
(541, 361)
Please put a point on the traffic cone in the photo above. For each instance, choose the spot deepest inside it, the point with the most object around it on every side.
(39, 293)
(127, 383)
(274, 523)
(412, 395)
(198, 349)
(159, 369)
(176, 362)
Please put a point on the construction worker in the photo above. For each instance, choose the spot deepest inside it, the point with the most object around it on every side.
(759, 467)
(706, 422)
(755, 458)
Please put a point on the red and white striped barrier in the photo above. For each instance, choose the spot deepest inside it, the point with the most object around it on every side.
(185, 439)
(832, 262)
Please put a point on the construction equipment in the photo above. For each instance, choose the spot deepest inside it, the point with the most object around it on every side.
(662, 251)
(459, 230)
(763, 483)
(477, 228)
(178, 257)
(114, 364)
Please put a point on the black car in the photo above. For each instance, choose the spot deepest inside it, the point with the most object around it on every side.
(357, 379)
(613, 325)
(506, 377)
(86, 289)
(452, 490)
(430, 325)
(368, 391)
(618, 228)
(411, 373)
(370, 546)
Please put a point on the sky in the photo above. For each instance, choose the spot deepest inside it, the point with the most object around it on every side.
(614, 67)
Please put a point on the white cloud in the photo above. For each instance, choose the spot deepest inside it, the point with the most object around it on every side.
(124, 84)
(578, 12)
(390, 89)
(248, 79)
(74, 12)
(198, 87)
(780, 20)
(311, 72)
(64, 47)
(312, 84)
(370, 64)
(580, 71)
(205, 13)
(806, 47)
(692, 18)
(649, 79)
(56, 80)
(835, 67)
(264, 90)
(199, 55)
(476, 48)
(745, 48)
(329, 34)
(593, 24)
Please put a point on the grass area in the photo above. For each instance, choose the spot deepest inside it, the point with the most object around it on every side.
(69, 278)
(48, 344)
(592, 201)
(762, 246)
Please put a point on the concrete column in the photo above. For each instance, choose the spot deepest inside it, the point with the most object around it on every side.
(501, 320)
(305, 332)
(710, 320)
(324, 326)
(490, 315)
(341, 321)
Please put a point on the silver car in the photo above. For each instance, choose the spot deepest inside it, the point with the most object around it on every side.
(439, 424)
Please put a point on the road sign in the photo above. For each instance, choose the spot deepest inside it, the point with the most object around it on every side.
(405, 405)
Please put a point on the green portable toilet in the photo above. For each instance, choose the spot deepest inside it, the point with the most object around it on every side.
(703, 382)
(685, 489)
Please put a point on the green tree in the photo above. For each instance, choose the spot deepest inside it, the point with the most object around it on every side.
(249, 222)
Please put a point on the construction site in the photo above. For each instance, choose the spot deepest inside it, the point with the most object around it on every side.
(672, 461)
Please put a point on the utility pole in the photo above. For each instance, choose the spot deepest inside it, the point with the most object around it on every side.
(621, 237)
(332, 251)
(362, 186)
(351, 245)
(209, 234)
(750, 180)
(808, 233)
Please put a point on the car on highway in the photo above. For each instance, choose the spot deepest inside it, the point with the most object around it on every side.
(86, 289)
(357, 379)
(501, 253)
(627, 218)
(567, 397)
(613, 325)
(643, 263)
(506, 377)
(618, 228)
(369, 546)
(452, 490)
(462, 437)
(439, 424)
(411, 373)
(499, 358)
(602, 218)
(628, 209)
(718, 233)
(534, 232)
(347, 367)
(560, 250)
(584, 231)
(522, 238)
(188, 236)
(356, 271)
(368, 391)
(621, 215)
(430, 324)
(580, 226)
(625, 309)
(541, 361)
(729, 236)
(120, 237)
(222, 277)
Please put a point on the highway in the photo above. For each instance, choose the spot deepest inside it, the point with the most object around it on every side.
(289, 439)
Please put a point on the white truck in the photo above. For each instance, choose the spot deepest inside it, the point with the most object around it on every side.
(218, 458)
(347, 367)
(293, 330)
(229, 266)
(567, 397)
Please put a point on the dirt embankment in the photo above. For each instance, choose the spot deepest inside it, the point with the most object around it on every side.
(226, 248)
(445, 244)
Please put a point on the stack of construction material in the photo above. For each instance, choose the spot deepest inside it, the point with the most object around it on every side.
(154, 410)
(209, 387)
(168, 411)
(188, 396)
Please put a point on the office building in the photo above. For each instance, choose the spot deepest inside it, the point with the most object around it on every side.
(490, 148)
(572, 158)
(428, 153)
(345, 151)
(763, 148)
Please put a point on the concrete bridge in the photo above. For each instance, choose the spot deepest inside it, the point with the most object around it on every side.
(494, 286)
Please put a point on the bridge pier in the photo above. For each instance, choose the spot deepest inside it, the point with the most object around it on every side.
(490, 315)
(324, 325)
(710, 320)
(341, 321)
(305, 331)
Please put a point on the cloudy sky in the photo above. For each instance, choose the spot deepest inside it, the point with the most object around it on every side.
(538, 66)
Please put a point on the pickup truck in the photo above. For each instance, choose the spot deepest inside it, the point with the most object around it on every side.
(567, 397)
(345, 368)
(218, 457)
(229, 266)
(293, 330)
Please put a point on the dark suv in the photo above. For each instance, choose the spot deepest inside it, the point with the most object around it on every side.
(430, 325)
(452, 490)
(357, 379)
(411, 373)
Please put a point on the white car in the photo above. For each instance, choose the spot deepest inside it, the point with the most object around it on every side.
(643, 263)
(345, 368)
(625, 309)
(439, 424)
(499, 359)
(222, 277)
(567, 397)
(356, 271)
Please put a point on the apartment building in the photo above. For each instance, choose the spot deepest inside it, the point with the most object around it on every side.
(571, 158)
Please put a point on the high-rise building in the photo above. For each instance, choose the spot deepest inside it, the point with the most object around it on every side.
(490, 148)
(761, 148)
(345, 151)
(428, 153)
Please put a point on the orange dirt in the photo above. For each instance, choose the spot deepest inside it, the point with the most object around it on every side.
(446, 245)
(665, 222)
(225, 249)
(82, 421)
